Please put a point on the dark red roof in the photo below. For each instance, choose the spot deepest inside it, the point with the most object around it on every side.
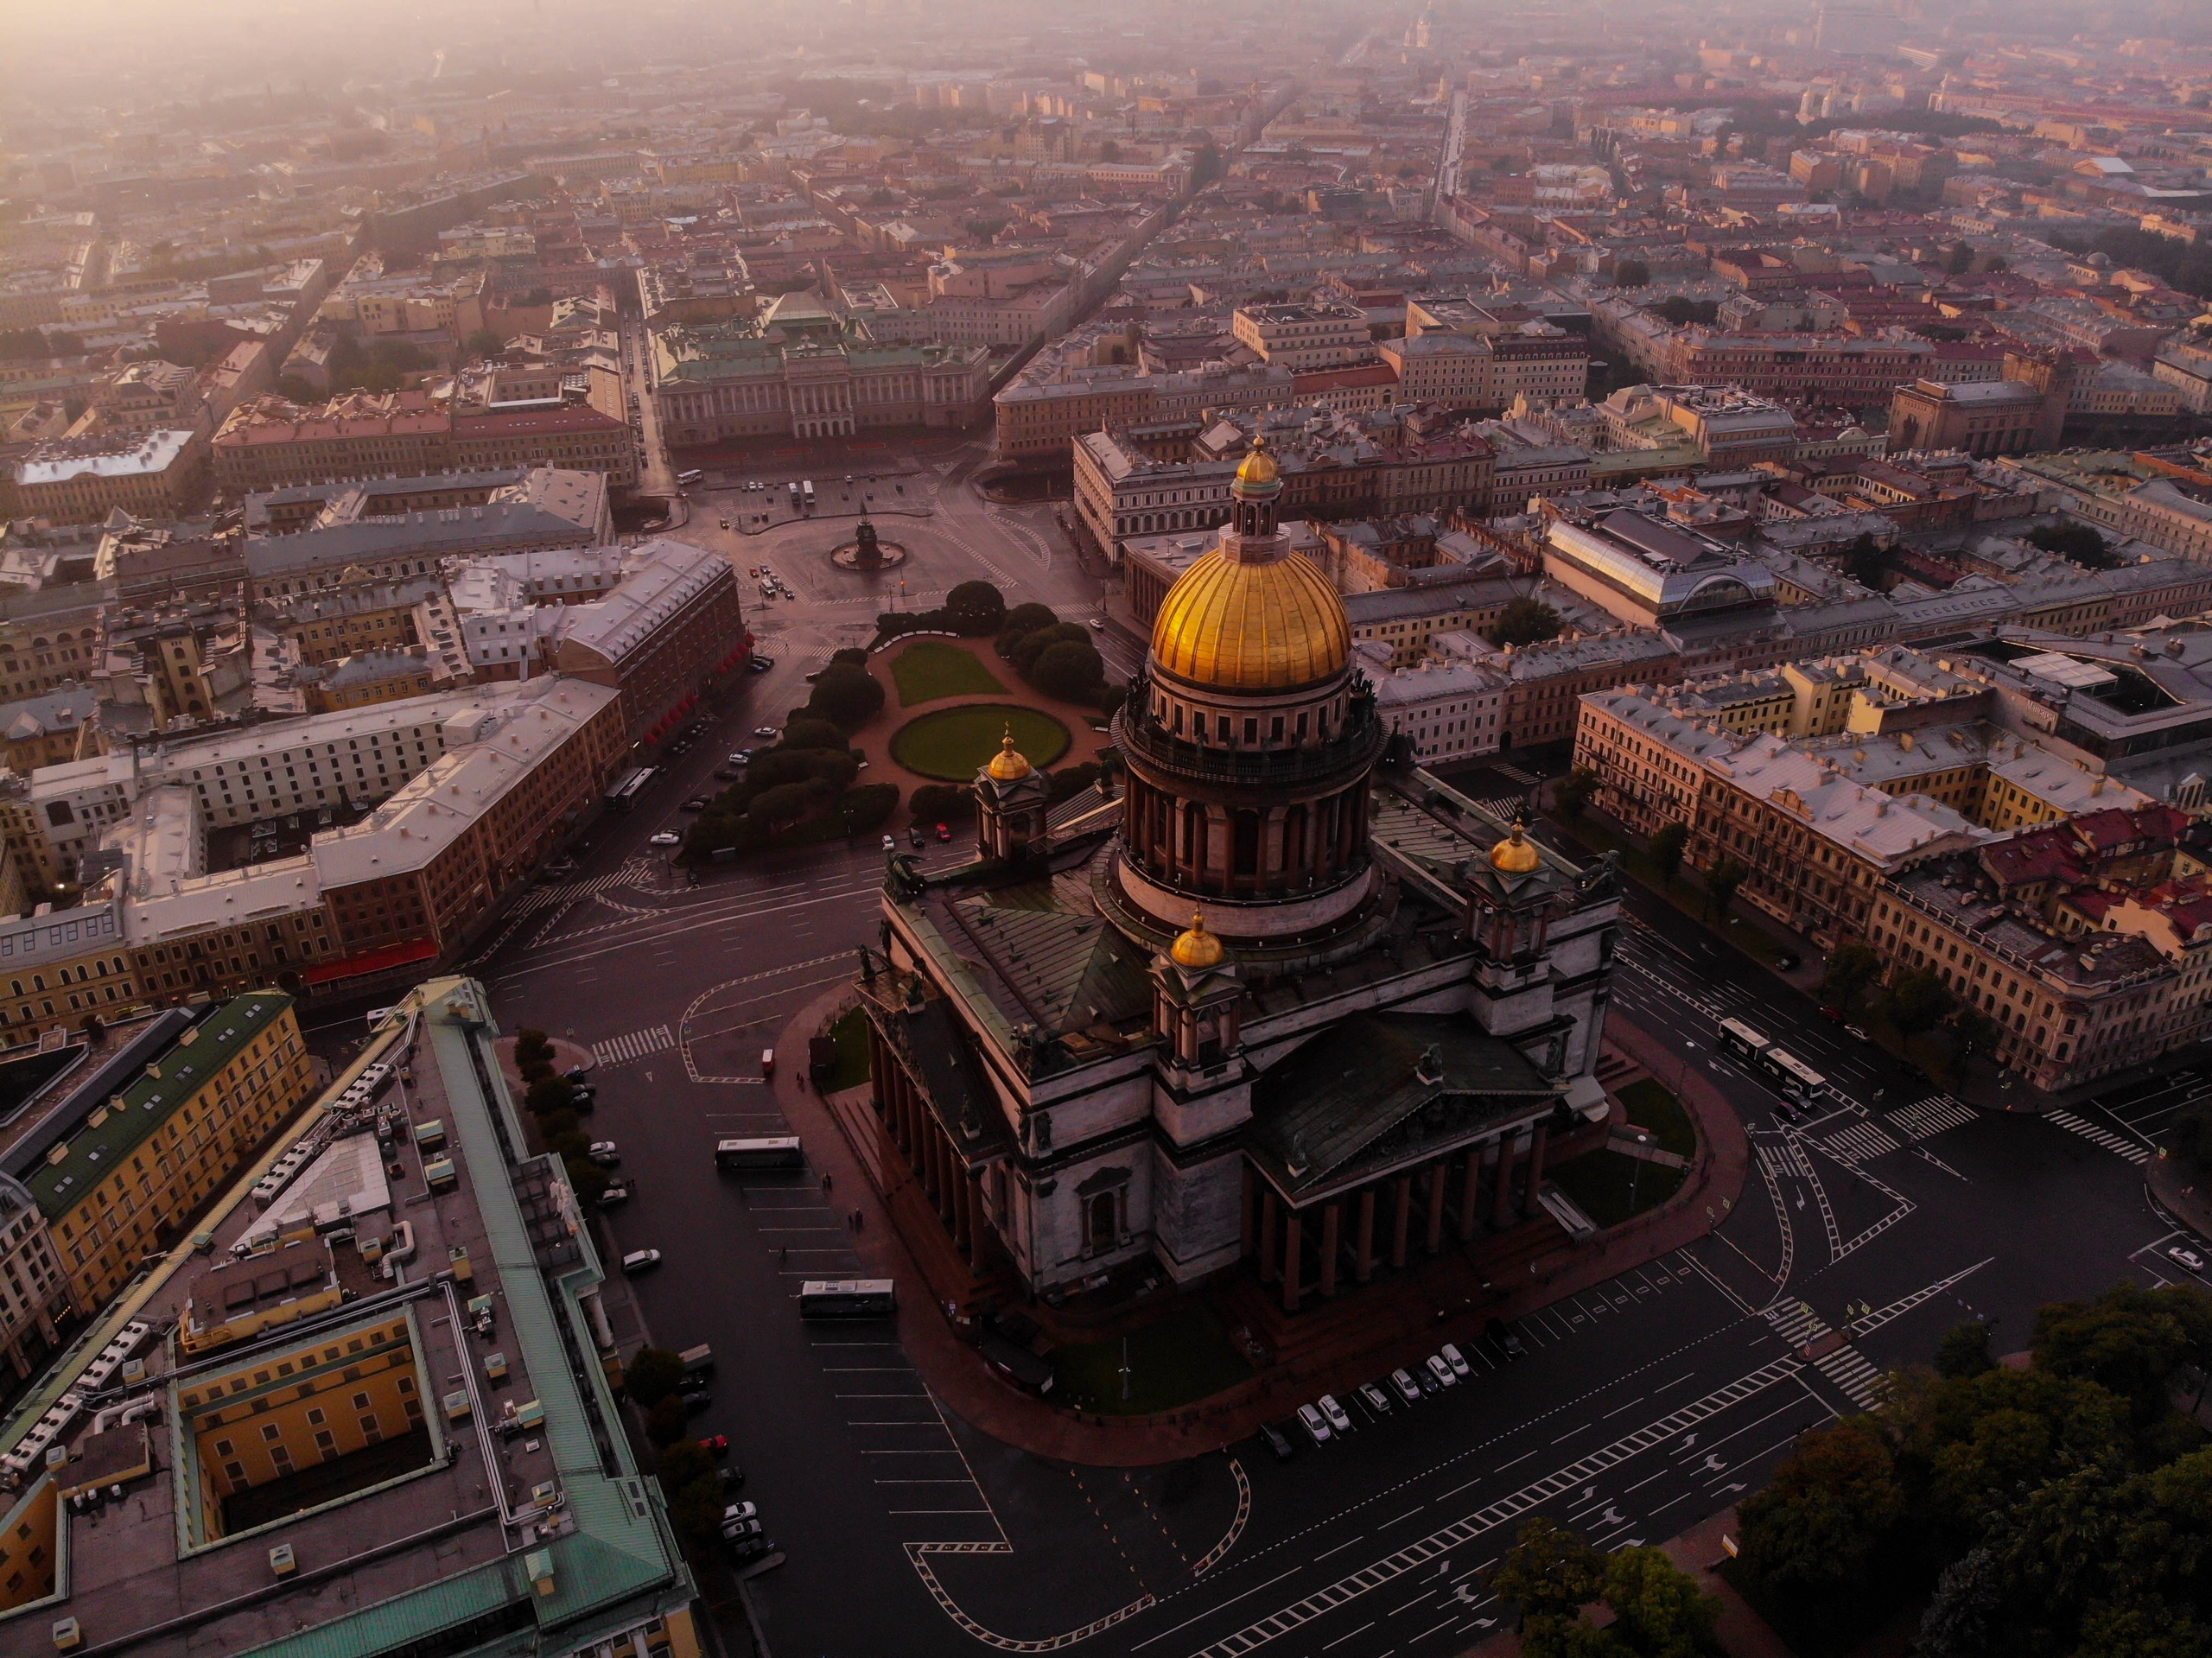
(371, 960)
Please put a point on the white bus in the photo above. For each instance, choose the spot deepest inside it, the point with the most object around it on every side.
(1741, 1040)
(806, 492)
(690, 476)
(1792, 1076)
(778, 1152)
(846, 1297)
(623, 795)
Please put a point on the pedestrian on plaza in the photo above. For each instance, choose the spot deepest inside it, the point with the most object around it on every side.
(783, 1254)
(827, 1182)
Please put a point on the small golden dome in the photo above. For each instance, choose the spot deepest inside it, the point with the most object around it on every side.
(1008, 763)
(1252, 627)
(1516, 855)
(1197, 948)
(1259, 467)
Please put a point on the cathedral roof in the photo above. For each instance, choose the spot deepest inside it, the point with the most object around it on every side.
(1243, 626)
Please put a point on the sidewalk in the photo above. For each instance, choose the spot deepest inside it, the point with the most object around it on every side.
(959, 1378)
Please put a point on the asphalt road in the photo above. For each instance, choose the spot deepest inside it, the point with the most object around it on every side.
(1641, 1406)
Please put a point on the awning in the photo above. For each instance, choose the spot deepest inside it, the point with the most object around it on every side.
(371, 962)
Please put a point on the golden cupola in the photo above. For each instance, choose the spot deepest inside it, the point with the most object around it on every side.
(1252, 615)
(1516, 855)
(1196, 947)
(1010, 763)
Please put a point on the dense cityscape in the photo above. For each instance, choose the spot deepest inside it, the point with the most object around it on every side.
(862, 829)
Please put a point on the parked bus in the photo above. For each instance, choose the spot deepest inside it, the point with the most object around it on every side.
(623, 795)
(780, 1152)
(806, 492)
(793, 487)
(846, 1297)
(693, 476)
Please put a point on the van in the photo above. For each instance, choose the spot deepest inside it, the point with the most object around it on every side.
(767, 1061)
(698, 1362)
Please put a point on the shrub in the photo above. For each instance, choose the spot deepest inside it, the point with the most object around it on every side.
(789, 803)
(943, 803)
(870, 805)
(806, 730)
(1024, 651)
(974, 608)
(651, 1376)
(550, 1093)
(851, 656)
(683, 1462)
(586, 1179)
(1025, 619)
(845, 695)
(530, 1045)
(665, 1421)
(1071, 671)
(1525, 621)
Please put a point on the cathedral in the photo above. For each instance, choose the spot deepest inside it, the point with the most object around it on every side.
(1278, 1003)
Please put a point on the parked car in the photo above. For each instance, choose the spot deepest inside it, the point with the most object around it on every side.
(1339, 1419)
(1455, 1359)
(575, 1074)
(694, 1400)
(915, 837)
(1856, 1034)
(1506, 1338)
(616, 1195)
(1408, 1389)
(717, 1445)
(890, 843)
(605, 1154)
(1788, 960)
(764, 731)
(1098, 622)
(1441, 1371)
(1317, 1429)
(737, 1531)
(742, 757)
(665, 837)
(728, 774)
(733, 1476)
(1834, 1015)
(745, 1549)
(1377, 1400)
(695, 804)
(1426, 1380)
(760, 665)
(739, 1511)
(2185, 1257)
(1277, 1442)
(640, 1260)
(944, 831)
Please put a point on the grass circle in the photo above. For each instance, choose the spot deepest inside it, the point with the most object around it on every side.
(952, 744)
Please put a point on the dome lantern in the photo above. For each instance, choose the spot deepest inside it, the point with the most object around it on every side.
(1010, 763)
(1515, 855)
(1197, 948)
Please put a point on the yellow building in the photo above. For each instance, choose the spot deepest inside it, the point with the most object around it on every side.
(125, 1178)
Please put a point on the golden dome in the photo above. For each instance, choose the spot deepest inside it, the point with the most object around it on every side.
(1259, 467)
(1008, 763)
(1516, 855)
(1252, 626)
(1197, 948)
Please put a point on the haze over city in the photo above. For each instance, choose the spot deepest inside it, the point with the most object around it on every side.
(952, 829)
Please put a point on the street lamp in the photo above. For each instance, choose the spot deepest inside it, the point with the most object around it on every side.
(1635, 1174)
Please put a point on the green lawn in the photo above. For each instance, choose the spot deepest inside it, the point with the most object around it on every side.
(1650, 1105)
(929, 669)
(1178, 1361)
(850, 1034)
(1602, 1182)
(952, 743)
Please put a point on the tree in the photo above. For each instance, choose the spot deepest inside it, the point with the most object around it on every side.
(549, 1094)
(2075, 541)
(943, 803)
(1827, 1514)
(1658, 1610)
(1549, 1572)
(1573, 792)
(2130, 1341)
(1852, 967)
(1960, 260)
(1964, 1350)
(786, 803)
(1669, 842)
(1025, 650)
(868, 807)
(1071, 671)
(1109, 151)
(1917, 1001)
(682, 1463)
(1631, 273)
(974, 608)
(666, 1421)
(1865, 561)
(294, 388)
(1525, 621)
(806, 729)
(1720, 884)
(532, 1044)
(846, 696)
(1025, 617)
(1974, 1032)
(484, 342)
(654, 1374)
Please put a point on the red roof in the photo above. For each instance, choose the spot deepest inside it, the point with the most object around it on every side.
(373, 961)
(1329, 379)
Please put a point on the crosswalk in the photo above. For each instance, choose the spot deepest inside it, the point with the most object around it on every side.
(1862, 1140)
(2120, 1147)
(546, 898)
(621, 1050)
(1850, 1369)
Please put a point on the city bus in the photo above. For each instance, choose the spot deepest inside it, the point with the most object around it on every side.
(623, 795)
(692, 476)
(846, 1297)
(793, 487)
(1792, 1078)
(1741, 1040)
(780, 1152)
(806, 492)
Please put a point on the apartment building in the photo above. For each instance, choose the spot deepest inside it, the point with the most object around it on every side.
(2085, 942)
(1043, 410)
(269, 444)
(121, 1147)
(35, 1303)
(152, 474)
(1443, 709)
(1305, 337)
(675, 622)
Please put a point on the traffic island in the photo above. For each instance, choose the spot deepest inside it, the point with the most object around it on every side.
(867, 553)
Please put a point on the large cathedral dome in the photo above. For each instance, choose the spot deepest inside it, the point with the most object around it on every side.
(1248, 627)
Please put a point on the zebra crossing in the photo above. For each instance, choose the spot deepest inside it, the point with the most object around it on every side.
(621, 1050)
(1510, 808)
(546, 898)
(2120, 1147)
(1850, 1369)
(1863, 1140)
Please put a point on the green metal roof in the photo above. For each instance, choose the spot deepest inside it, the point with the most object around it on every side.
(147, 1102)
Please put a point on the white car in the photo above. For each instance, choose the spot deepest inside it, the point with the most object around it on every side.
(2188, 1258)
(890, 843)
(764, 731)
(605, 1154)
(1315, 1429)
(1335, 1413)
(640, 1260)
(1441, 1371)
(666, 837)
(1451, 1356)
(1408, 1389)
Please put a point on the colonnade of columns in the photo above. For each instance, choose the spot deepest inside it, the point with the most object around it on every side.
(912, 1130)
(1311, 1248)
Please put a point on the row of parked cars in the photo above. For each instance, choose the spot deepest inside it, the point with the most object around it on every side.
(1446, 1367)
